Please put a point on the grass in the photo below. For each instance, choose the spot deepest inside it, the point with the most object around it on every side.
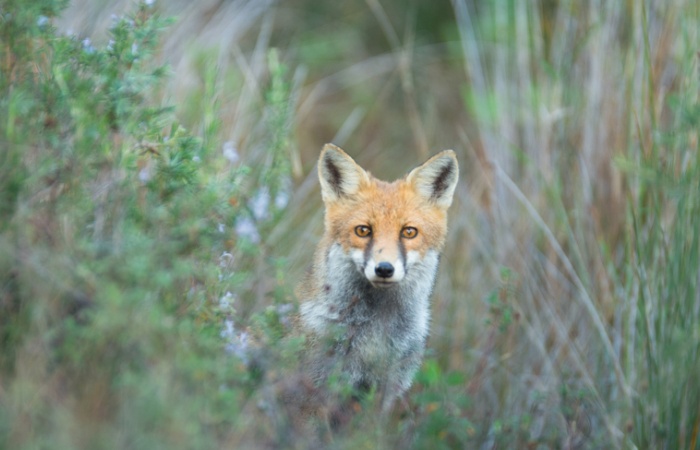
(159, 202)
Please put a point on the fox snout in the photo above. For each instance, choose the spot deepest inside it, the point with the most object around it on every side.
(381, 272)
(384, 272)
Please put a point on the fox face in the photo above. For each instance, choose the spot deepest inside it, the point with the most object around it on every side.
(386, 229)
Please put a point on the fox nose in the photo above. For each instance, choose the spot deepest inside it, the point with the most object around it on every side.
(384, 270)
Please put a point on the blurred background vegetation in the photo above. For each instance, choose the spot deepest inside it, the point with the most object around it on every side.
(158, 203)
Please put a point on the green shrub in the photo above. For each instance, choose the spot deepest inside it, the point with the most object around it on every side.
(115, 244)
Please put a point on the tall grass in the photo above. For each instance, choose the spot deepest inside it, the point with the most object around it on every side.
(142, 247)
(584, 142)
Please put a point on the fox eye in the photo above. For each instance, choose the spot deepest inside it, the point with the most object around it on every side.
(363, 230)
(409, 232)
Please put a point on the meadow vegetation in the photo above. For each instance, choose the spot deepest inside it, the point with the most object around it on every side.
(159, 202)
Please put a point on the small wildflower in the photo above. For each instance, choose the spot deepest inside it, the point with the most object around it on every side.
(110, 45)
(145, 175)
(42, 21)
(226, 300)
(281, 199)
(225, 259)
(196, 159)
(221, 227)
(236, 343)
(246, 228)
(239, 346)
(282, 196)
(87, 46)
(228, 332)
(134, 48)
(149, 2)
(230, 152)
(260, 203)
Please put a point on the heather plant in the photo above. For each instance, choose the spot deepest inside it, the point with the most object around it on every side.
(116, 311)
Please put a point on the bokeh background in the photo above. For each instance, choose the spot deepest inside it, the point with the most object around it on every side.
(566, 312)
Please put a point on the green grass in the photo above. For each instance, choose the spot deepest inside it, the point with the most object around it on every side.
(158, 203)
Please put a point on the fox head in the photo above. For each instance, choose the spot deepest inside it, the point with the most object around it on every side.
(386, 228)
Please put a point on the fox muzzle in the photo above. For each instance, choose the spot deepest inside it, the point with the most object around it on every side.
(384, 270)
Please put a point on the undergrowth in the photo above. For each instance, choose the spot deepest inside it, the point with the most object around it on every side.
(116, 244)
(150, 240)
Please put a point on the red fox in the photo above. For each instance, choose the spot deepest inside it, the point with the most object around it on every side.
(365, 301)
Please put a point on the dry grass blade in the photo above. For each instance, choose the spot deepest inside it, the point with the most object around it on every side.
(585, 297)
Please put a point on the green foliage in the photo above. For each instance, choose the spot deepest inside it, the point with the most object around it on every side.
(109, 241)
(443, 409)
(499, 301)
(665, 260)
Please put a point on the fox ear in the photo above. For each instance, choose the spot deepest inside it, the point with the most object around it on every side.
(436, 178)
(338, 173)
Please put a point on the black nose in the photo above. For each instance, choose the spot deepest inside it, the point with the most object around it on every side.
(384, 270)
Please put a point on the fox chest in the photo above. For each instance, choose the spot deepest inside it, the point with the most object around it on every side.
(379, 334)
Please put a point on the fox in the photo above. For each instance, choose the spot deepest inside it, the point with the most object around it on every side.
(365, 302)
